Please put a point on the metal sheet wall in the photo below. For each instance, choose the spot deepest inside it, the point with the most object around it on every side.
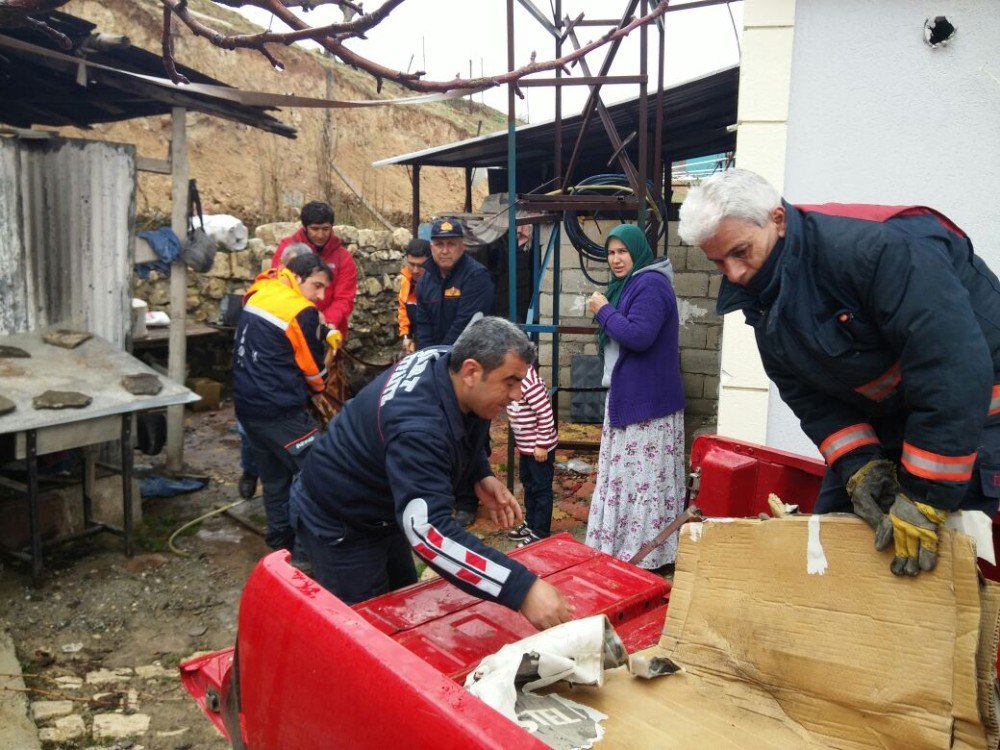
(67, 222)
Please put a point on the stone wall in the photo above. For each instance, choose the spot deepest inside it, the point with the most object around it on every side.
(697, 287)
(378, 256)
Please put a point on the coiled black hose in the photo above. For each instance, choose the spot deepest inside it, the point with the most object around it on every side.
(609, 184)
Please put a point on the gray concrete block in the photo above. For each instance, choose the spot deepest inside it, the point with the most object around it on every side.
(714, 282)
(693, 336)
(711, 387)
(691, 284)
(672, 237)
(713, 337)
(678, 258)
(701, 406)
(700, 361)
(696, 260)
(694, 384)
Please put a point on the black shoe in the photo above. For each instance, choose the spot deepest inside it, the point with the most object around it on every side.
(248, 486)
(465, 518)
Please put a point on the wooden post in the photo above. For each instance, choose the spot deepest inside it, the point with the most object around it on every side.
(415, 222)
(468, 190)
(177, 357)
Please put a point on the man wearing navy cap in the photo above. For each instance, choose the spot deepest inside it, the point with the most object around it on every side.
(452, 290)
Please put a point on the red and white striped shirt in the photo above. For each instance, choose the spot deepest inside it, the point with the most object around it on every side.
(531, 417)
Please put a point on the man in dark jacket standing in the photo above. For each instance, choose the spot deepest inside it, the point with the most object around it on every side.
(881, 329)
(453, 288)
(380, 483)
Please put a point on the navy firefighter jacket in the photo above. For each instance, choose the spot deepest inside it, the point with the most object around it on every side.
(446, 305)
(278, 352)
(881, 330)
(395, 457)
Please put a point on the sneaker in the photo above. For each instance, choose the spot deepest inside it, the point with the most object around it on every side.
(519, 532)
(247, 486)
(465, 518)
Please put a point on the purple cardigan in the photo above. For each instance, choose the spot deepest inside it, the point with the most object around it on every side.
(646, 379)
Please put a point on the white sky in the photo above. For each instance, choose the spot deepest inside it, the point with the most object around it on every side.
(443, 36)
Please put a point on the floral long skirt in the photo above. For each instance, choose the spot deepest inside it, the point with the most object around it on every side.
(639, 489)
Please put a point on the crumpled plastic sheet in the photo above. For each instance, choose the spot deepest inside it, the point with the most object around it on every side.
(159, 486)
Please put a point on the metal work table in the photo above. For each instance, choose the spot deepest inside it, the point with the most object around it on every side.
(96, 368)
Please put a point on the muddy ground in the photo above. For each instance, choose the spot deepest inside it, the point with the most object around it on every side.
(97, 611)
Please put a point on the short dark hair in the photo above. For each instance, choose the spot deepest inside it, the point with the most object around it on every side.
(488, 341)
(418, 248)
(305, 266)
(316, 212)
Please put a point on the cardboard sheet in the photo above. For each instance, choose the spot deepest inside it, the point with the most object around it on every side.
(776, 656)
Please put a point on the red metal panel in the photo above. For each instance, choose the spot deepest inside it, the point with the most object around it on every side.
(453, 631)
(737, 477)
(315, 674)
(205, 674)
(424, 602)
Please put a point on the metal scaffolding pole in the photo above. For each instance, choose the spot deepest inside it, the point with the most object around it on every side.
(511, 214)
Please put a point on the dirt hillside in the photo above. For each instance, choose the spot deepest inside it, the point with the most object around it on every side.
(262, 177)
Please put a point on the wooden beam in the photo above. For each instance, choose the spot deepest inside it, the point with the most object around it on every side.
(149, 164)
(177, 348)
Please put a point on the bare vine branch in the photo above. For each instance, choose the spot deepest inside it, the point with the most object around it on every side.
(20, 12)
(331, 37)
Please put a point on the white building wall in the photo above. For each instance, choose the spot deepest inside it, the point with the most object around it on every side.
(873, 115)
(878, 116)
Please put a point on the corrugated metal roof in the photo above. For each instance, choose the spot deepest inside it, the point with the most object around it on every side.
(40, 90)
(74, 202)
(697, 116)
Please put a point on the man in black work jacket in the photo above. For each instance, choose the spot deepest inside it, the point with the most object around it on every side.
(452, 290)
(881, 329)
(380, 483)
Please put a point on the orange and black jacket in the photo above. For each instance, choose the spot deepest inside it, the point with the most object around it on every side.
(881, 328)
(278, 352)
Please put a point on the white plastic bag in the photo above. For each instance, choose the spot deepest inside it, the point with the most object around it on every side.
(227, 230)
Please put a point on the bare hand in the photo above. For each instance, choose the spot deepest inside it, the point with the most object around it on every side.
(544, 606)
(541, 455)
(502, 505)
(596, 302)
(409, 345)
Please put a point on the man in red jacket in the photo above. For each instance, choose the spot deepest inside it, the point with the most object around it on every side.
(317, 232)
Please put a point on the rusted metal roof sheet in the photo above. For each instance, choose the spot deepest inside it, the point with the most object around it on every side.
(697, 119)
(36, 89)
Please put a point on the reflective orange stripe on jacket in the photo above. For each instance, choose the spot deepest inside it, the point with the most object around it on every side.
(937, 467)
(844, 441)
(994, 402)
(883, 386)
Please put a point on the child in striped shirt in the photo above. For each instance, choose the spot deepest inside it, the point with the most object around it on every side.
(535, 436)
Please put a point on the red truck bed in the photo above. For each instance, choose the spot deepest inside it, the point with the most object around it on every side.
(314, 673)
(301, 650)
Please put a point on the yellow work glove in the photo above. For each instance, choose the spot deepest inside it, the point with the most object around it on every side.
(333, 340)
(873, 489)
(915, 530)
